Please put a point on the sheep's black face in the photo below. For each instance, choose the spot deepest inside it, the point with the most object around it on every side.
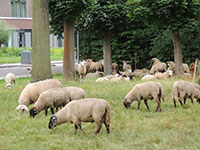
(52, 122)
(33, 112)
(126, 104)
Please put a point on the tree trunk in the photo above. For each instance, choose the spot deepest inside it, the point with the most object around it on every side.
(107, 54)
(177, 53)
(41, 67)
(68, 59)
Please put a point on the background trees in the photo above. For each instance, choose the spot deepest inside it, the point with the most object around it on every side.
(41, 68)
(4, 33)
(63, 15)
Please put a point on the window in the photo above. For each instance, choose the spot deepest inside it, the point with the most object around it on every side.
(18, 8)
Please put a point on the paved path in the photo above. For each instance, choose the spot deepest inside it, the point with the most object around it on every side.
(20, 70)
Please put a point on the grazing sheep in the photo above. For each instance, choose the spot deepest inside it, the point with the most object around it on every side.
(32, 91)
(102, 79)
(51, 98)
(81, 69)
(93, 75)
(146, 90)
(10, 78)
(158, 67)
(164, 76)
(183, 90)
(84, 110)
(127, 67)
(75, 92)
(96, 66)
(148, 77)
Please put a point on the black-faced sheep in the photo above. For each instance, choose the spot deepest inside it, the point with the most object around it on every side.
(84, 110)
(146, 90)
(32, 91)
(183, 90)
(10, 78)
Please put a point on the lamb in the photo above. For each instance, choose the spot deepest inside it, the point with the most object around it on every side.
(164, 76)
(148, 77)
(32, 91)
(10, 78)
(127, 67)
(84, 110)
(51, 98)
(158, 67)
(102, 79)
(81, 69)
(146, 90)
(183, 90)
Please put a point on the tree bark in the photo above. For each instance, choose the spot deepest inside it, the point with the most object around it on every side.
(107, 53)
(69, 45)
(41, 67)
(177, 53)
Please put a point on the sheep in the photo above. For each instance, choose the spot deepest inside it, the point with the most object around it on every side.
(156, 60)
(102, 79)
(120, 78)
(51, 98)
(88, 63)
(158, 67)
(171, 67)
(187, 75)
(138, 73)
(93, 75)
(32, 91)
(146, 90)
(81, 69)
(84, 110)
(164, 76)
(10, 78)
(96, 66)
(182, 90)
(127, 67)
(109, 77)
(75, 92)
(148, 77)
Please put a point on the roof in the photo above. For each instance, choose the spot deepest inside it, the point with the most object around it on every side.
(18, 23)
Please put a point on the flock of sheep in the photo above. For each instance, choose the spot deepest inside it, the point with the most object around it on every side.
(72, 105)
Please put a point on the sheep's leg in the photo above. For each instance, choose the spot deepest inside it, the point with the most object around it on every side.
(174, 102)
(99, 124)
(159, 106)
(107, 128)
(52, 110)
(145, 101)
(182, 96)
(76, 128)
(184, 100)
(138, 104)
(46, 112)
(192, 100)
(80, 127)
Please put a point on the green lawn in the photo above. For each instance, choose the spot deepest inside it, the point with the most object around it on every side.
(173, 128)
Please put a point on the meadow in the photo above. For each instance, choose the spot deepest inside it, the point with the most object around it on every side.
(173, 128)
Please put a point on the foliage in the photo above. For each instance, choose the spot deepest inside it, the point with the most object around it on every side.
(5, 32)
(173, 128)
(61, 10)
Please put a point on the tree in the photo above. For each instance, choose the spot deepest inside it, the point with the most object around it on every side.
(105, 18)
(63, 16)
(41, 67)
(171, 14)
(5, 32)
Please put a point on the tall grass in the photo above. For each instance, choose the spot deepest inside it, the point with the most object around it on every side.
(173, 128)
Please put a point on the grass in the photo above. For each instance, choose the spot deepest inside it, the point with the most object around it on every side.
(173, 128)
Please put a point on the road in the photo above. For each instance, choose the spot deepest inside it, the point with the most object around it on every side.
(20, 70)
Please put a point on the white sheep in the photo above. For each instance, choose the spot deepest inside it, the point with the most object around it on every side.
(182, 90)
(155, 60)
(146, 90)
(95, 74)
(158, 67)
(81, 69)
(32, 91)
(102, 79)
(96, 66)
(171, 66)
(84, 110)
(10, 78)
(148, 77)
(127, 67)
(164, 76)
(120, 78)
(51, 98)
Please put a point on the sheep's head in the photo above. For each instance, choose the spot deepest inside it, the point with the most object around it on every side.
(52, 122)
(33, 112)
(22, 108)
(8, 86)
(127, 103)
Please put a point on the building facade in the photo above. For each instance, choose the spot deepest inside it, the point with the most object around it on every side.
(18, 15)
